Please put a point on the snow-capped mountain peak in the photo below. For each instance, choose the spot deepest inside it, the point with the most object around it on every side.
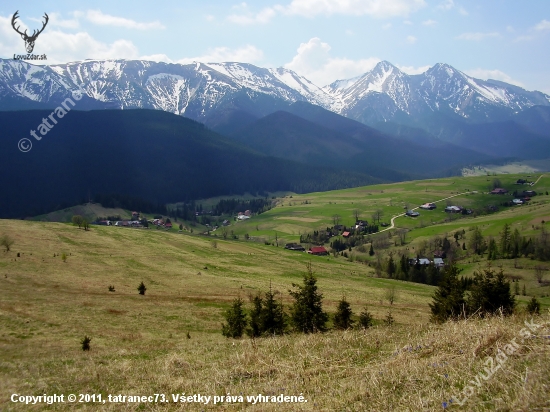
(198, 89)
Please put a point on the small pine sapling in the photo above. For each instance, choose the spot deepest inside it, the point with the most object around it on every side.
(86, 343)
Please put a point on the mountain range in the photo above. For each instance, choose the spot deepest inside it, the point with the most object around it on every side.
(200, 90)
(288, 133)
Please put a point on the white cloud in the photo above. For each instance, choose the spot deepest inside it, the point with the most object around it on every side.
(412, 69)
(310, 8)
(99, 18)
(485, 74)
(411, 39)
(314, 62)
(56, 20)
(477, 36)
(64, 47)
(247, 17)
(245, 54)
(446, 5)
(429, 23)
(450, 5)
(373, 8)
(61, 47)
(543, 25)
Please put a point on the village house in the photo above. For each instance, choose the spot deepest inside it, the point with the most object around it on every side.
(453, 209)
(499, 191)
(428, 206)
(318, 251)
(295, 246)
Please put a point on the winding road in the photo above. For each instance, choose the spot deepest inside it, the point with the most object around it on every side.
(403, 214)
(392, 226)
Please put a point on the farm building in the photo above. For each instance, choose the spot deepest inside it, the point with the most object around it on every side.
(318, 251)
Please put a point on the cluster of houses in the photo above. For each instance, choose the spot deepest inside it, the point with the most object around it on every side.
(437, 261)
(314, 250)
(136, 222)
(520, 198)
(524, 182)
(244, 215)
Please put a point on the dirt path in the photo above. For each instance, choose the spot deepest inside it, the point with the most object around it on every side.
(537, 180)
(403, 214)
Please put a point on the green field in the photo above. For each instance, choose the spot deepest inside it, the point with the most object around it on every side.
(139, 343)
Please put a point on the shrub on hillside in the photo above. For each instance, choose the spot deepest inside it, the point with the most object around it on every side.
(342, 318)
(236, 320)
(533, 307)
(77, 220)
(490, 293)
(307, 313)
(86, 343)
(365, 319)
(141, 288)
(448, 300)
(7, 242)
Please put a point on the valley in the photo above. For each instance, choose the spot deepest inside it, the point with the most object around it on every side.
(169, 340)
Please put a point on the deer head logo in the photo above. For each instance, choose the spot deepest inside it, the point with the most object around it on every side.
(29, 40)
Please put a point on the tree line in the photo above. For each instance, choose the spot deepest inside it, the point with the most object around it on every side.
(511, 244)
(267, 317)
(487, 294)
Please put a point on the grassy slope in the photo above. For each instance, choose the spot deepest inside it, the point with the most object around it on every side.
(139, 344)
(292, 216)
(89, 211)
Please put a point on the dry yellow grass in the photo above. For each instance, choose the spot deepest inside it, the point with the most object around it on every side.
(139, 344)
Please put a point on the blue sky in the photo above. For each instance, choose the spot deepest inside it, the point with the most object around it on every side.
(324, 40)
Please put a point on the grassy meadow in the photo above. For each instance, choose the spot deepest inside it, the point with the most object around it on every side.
(169, 340)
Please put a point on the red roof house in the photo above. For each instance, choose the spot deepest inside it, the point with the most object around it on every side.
(318, 250)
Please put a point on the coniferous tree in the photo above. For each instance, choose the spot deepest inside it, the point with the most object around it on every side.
(477, 243)
(490, 292)
(255, 326)
(342, 318)
(515, 244)
(391, 268)
(141, 288)
(365, 319)
(505, 240)
(273, 317)
(86, 343)
(236, 320)
(492, 251)
(533, 307)
(448, 300)
(307, 313)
